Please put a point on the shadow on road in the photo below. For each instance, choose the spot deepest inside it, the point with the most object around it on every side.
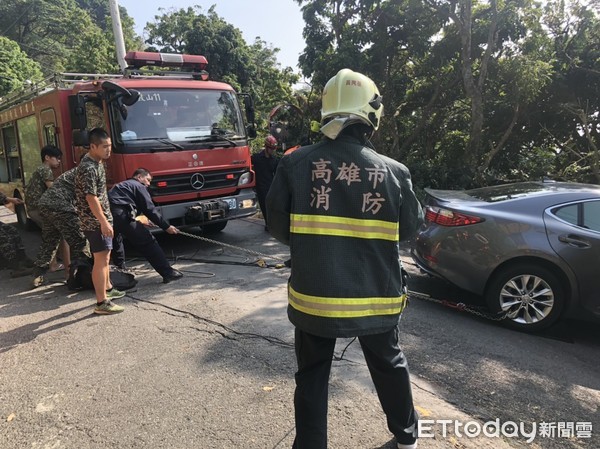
(24, 334)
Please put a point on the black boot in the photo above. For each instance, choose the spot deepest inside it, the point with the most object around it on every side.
(172, 276)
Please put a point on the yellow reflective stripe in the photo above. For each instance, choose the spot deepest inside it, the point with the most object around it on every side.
(344, 227)
(345, 307)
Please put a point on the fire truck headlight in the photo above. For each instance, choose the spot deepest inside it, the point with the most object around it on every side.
(246, 178)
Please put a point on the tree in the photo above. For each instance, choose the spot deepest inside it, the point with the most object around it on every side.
(249, 68)
(58, 34)
(16, 68)
(569, 107)
(99, 11)
(468, 85)
(169, 31)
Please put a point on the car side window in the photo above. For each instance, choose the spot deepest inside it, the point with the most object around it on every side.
(568, 214)
(591, 215)
(585, 214)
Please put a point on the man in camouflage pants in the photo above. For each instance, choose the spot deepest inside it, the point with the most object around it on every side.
(40, 180)
(59, 221)
(12, 251)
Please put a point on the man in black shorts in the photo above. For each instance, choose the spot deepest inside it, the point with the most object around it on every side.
(96, 220)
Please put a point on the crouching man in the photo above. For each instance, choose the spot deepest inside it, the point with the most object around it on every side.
(59, 221)
(127, 200)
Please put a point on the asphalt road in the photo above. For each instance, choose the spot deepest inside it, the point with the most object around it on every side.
(208, 362)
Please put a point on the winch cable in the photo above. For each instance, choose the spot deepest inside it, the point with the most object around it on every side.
(259, 262)
(140, 270)
(457, 305)
(461, 306)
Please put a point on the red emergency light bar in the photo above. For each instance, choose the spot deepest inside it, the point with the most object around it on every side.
(139, 59)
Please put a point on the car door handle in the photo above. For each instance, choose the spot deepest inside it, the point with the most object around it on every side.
(573, 240)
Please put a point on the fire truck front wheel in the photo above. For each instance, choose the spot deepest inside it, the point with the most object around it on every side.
(213, 228)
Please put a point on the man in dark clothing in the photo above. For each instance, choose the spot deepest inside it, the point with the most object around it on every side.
(127, 200)
(265, 165)
(342, 208)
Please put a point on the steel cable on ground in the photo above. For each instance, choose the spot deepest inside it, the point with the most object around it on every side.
(260, 262)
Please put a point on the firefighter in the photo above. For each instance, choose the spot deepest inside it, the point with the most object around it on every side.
(342, 208)
(265, 165)
(128, 199)
(12, 251)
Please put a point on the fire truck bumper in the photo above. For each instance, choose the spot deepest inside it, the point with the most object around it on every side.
(197, 213)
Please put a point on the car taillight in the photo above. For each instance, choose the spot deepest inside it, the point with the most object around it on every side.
(446, 217)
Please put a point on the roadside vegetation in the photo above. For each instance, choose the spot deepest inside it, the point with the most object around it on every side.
(476, 92)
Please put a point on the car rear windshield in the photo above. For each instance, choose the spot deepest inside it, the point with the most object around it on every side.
(506, 192)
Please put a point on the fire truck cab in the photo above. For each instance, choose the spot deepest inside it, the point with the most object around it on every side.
(189, 132)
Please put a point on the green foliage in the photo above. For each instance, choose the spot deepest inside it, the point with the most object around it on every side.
(61, 34)
(475, 91)
(248, 68)
(169, 31)
(532, 108)
(16, 68)
(99, 11)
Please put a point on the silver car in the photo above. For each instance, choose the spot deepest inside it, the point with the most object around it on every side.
(531, 249)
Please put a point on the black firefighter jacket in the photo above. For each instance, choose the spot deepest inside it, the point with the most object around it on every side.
(342, 208)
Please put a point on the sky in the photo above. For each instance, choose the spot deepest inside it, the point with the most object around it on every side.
(277, 22)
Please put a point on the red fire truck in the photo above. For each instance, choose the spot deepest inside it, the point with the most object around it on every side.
(189, 132)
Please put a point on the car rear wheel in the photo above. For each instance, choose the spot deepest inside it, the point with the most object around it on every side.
(531, 297)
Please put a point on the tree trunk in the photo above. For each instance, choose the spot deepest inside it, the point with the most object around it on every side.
(474, 88)
(498, 147)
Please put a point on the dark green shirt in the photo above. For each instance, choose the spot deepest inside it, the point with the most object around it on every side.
(37, 186)
(61, 195)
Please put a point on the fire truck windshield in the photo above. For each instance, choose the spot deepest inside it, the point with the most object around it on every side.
(170, 117)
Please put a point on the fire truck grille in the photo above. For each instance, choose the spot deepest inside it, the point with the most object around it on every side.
(194, 182)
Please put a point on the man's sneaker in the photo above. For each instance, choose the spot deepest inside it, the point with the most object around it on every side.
(113, 293)
(107, 308)
(407, 446)
(173, 276)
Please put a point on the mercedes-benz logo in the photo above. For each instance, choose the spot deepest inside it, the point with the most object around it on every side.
(197, 181)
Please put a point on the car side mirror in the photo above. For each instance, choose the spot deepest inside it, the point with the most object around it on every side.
(77, 112)
(81, 138)
(251, 131)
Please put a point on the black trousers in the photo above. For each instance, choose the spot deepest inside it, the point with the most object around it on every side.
(389, 371)
(261, 196)
(141, 239)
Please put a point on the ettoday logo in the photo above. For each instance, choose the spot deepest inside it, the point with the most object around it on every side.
(508, 429)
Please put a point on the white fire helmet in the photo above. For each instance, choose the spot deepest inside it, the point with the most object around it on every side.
(348, 98)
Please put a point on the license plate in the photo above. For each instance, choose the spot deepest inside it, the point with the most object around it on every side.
(231, 202)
